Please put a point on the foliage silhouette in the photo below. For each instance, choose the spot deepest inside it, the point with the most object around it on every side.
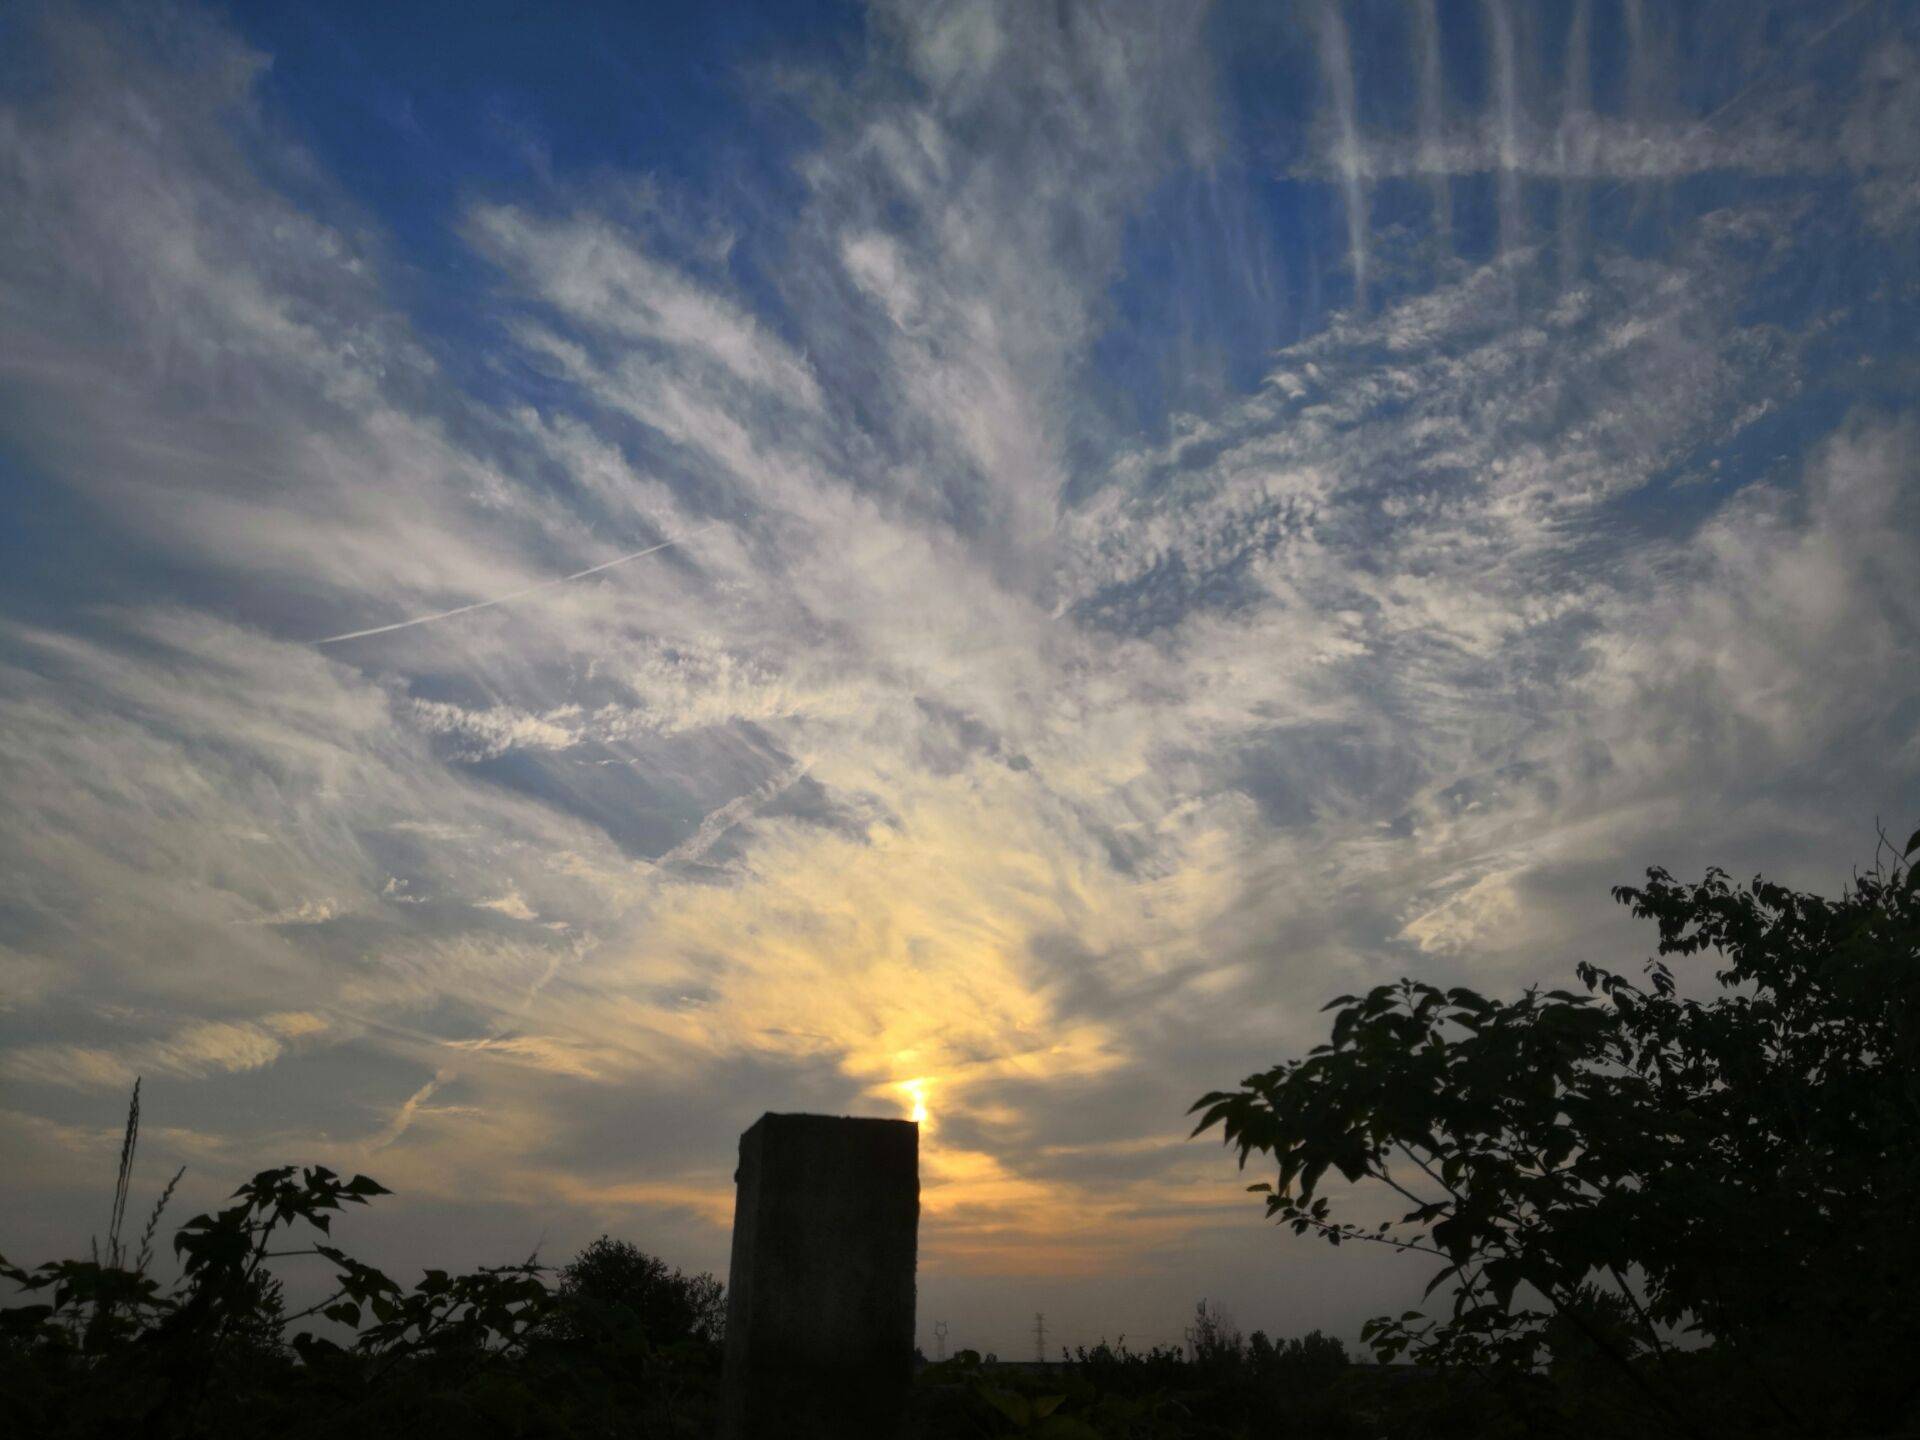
(670, 1306)
(1710, 1199)
(495, 1352)
(1215, 1338)
(1109, 1392)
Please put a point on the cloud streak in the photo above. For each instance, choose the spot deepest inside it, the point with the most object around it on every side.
(509, 598)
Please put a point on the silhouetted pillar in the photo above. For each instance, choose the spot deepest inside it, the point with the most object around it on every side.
(821, 1290)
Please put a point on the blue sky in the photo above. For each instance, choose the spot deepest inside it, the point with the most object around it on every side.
(1157, 516)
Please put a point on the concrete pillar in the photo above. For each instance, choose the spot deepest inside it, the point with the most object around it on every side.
(821, 1291)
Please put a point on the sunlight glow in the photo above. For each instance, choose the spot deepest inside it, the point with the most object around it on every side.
(917, 1092)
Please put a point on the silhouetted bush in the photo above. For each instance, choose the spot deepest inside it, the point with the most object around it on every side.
(1109, 1392)
(670, 1306)
(498, 1352)
(1678, 1214)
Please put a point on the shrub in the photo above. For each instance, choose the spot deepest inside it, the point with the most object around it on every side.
(670, 1306)
(1630, 1174)
(109, 1350)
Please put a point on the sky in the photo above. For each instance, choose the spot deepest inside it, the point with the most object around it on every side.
(573, 575)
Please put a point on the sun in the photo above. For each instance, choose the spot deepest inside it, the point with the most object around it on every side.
(917, 1093)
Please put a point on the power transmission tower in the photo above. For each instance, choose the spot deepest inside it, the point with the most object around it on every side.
(940, 1339)
(1039, 1337)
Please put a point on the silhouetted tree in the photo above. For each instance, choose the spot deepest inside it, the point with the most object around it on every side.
(1605, 1171)
(1307, 1360)
(1216, 1338)
(102, 1349)
(670, 1305)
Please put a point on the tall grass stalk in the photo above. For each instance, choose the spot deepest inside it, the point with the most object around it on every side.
(115, 1250)
(145, 1254)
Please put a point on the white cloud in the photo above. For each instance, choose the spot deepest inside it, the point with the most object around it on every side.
(512, 904)
(599, 278)
(193, 1051)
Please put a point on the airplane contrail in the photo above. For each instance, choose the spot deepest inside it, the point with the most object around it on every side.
(515, 595)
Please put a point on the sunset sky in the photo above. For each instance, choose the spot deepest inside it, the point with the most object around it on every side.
(1093, 530)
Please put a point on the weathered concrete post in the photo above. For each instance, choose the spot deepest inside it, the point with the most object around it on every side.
(821, 1291)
